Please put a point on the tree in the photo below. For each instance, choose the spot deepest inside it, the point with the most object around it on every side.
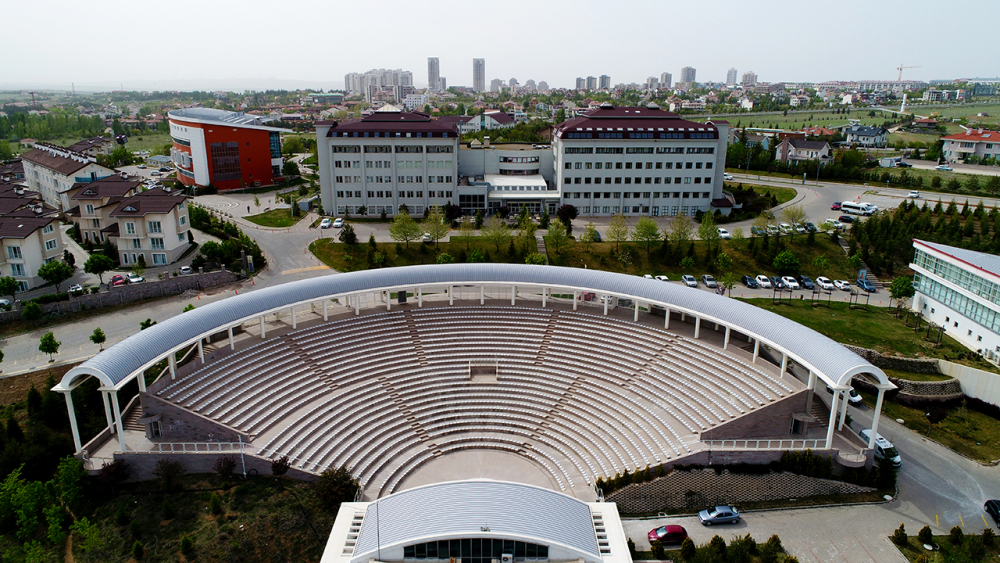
(739, 238)
(557, 237)
(535, 259)
(680, 231)
(336, 486)
(280, 466)
(723, 262)
(32, 310)
(49, 345)
(290, 169)
(435, 225)
(728, 280)
(687, 263)
(566, 213)
(496, 232)
(8, 286)
(794, 215)
(467, 229)
(760, 223)
(821, 264)
(526, 227)
(347, 235)
(97, 265)
(855, 263)
(445, 258)
(225, 466)
(617, 231)
(901, 289)
(87, 536)
(709, 232)
(785, 262)
(56, 272)
(69, 258)
(590, 234)
(404, 228)
(189, 307)
(98, 337)
(646, 230)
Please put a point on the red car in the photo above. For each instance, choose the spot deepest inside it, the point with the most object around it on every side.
(668, 534)
(117, 280)
(835, 206)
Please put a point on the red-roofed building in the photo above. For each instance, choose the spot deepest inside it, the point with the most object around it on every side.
(52, 171)
(817, 131)
(980, 143)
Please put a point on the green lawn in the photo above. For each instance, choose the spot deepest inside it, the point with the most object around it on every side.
(349, 258)
(948, 552)
(274, 218)
(911, 376)
(927, 175)
(783, 195)
(968, 111)
(798, 119)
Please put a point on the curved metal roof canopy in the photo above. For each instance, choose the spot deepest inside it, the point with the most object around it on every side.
(831, 361)
(463, 508)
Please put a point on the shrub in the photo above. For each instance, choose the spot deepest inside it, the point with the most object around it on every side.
(121, 517)
(922, 559)
(336, 486)
(138, 550)
(688, 550)
(215, 504)
(718, 545)
(975, 549)
(988, 537)
(280, 466)
(956, 536)
(657, 548)
(631, 548)
(925, 535)
(899, 536)
(31, 311)
(225, 466)
(187, 546)
(169, 510)
(168, 471)
(135, 528)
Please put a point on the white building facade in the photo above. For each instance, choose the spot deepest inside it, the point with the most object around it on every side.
(959, 290)
(52, 171)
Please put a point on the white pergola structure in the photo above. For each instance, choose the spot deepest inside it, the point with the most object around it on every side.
(825, 359)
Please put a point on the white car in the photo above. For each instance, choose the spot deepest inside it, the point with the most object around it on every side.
(786, 228)
(648, 276)
(824, 283)
(724, 234)
(944, 167)
(773, 230)
(141, 167)
(727, 176)
(338, 223)
(842, 285)
(833, 224)
(325, 223)
(800, 229)
(790, 282)
(185, 270)
(763, 281)
(72, 288)
(913, 194)
(662, 278)
(427, 237)
(689, 280)
(4, 302)
(606, 298)
(132, 278)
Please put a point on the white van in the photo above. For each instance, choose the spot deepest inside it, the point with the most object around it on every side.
(858, 208)
(883, 448)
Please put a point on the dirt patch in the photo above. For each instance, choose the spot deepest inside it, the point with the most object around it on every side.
(15, 388)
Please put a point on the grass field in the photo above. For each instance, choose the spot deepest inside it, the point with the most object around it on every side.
(349, 258)
(799, 119)
(927, 175)
(783, 195)
(958, 111)
(278, 218)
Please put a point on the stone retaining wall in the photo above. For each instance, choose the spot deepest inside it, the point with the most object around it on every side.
(915, 365)
(691, 490)
(141, 465)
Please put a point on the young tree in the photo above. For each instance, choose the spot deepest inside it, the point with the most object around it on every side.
(785, 262)
(901, 289)
(723, 262)
(435, 225)
(56, 272)
(728, 280)
(590, 234)
(709, 232)
(647, 231)
(821, 264)
(347, 235)
(97, 265)
(687, 263)
(445, 258)
(8, 286)
(404, 228)
(855, 263)
(617, 231)
(680, 232)
(49, 345)
(496, 232)
(535, 259)
(739, 238)
(467, 228)
(98, 337)
(556, 238)
(566, 213)
(526, 227)
(795, 215)
(761, 222)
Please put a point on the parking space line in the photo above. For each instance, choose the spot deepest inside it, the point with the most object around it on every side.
(984, 521)
(960, 520)
(937, 520)
(866, 549)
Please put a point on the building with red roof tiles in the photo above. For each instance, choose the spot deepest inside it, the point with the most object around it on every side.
(980, 143)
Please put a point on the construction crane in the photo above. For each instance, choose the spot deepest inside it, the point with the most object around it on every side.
(33, 105)
(900, 69)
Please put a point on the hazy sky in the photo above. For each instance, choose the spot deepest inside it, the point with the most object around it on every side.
(214, 44)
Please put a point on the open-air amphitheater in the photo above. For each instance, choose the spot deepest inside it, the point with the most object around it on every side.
(417, 375)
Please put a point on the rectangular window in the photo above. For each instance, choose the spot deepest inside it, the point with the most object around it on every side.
(225, 160)
(14, 252)
(154, 227)
(51, 244)
(159, 259)
(90, 209)
(17, 270)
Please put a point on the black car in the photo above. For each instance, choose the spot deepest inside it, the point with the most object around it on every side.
(903, 164)
(845, 219)
(749, 282)
(992, 507)
(806, 282)
(811, 227)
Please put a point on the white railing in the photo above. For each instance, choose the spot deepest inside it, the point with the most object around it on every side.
(195, 447)
(765, 445)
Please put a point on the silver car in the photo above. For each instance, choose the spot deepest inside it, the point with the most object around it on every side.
(719, 515)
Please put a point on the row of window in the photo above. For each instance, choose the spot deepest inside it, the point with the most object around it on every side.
(519, 159)
(960, 303)
(532, 172)
(655, 211)
(639, 195)
(636, 165)
(387, 134)
(159, 259)
(372, 194)
(475, 548)
(377, 209)
(400, 164)
(636, 135)
(648, 180)
(399, 179)
(961, 277)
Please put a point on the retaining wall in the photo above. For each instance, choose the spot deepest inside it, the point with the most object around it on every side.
(141, 465)
(690, 490)
(915, 365)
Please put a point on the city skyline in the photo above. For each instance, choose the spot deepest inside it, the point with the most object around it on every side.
(256, 64)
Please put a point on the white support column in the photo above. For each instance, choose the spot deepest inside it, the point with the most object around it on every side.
(833, 420)
(451, 295)
(232, 343)
(201, 350)
(72, 421)
(326, 315)
(666, 318)
(295, 323)
(141, 380)
(725, 343)
(357, 304)
(784, 363)
(843, 412)
(513, 294)
(576, 296)
(756, 350)
(118, 422)
(878, 414)
(388, 301)
(172, 362)
(420, 297)
(635, 318)
(263, 331)
(482, 294)
(607, 299)
(697, 327)
(545, 292)
(683, 316)
(810, 385)
(107, 411)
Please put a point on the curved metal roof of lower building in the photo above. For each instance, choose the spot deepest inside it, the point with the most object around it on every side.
(463, 508)
(813, 350)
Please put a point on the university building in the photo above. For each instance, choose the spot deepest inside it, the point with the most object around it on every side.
(959, 290)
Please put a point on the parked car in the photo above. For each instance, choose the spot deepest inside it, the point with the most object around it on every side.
(903, 164)
(141, 167)
(662, 278)
(790, 282)
(832, 224)
(749, 282)
(944, 168)
(338, 223)
(786, 228)
(648, 276)
(992, 507)
(117, 280)
(773, 230)
(596, 236)
(845, 219)
(883, 448)
(913, 194)
(72, 288)
(709, 281)
(669, 534)
(757, 231)
(325, 223)
(810, 227)
(824, 283)
(588, 296)
(165, 169)
(764, 282)
(719, 515)
(800, 229)
(835, 206)
(689, 280)
(185, 270)
(727, 176)
(132, 278)
(806, 282)
(852, 395)
(4, 302)
(724, 234)
(156, 173)
(776, 282)
(427, 237)
(867, 285)
(842, 285)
